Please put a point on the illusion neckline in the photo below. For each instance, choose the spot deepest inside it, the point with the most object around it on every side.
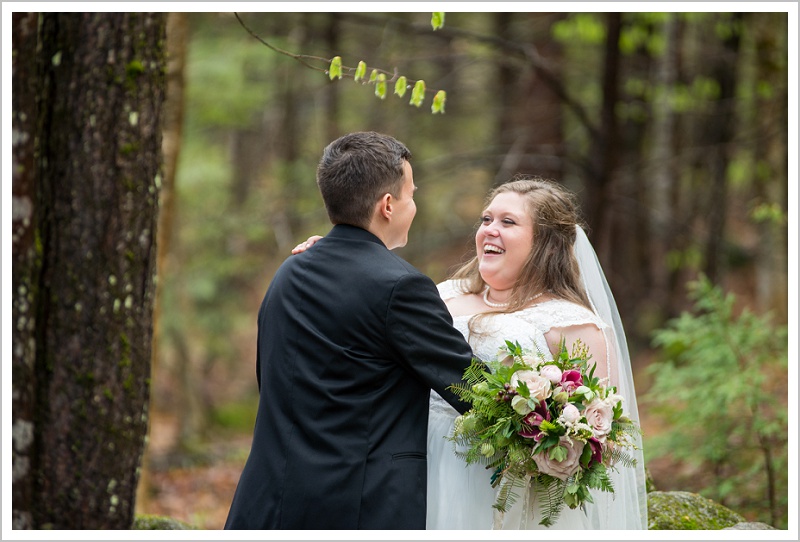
(535, 305)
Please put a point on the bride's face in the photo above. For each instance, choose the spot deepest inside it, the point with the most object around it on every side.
(504, 240)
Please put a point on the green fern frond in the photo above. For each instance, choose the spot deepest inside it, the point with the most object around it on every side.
(549, 492)
(622, 457)
(597, 478)
(508, 493)
(475, 372)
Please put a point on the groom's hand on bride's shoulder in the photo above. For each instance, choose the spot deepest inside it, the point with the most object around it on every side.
(308, 243)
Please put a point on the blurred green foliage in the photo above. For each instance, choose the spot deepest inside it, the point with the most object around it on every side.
(721, 386)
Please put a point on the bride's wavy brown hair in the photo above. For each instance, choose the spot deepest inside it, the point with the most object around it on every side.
(551, 265)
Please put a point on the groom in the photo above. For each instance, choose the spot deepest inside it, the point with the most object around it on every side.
(351, 339)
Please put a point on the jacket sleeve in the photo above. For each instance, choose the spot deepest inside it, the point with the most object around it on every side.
(420, 332)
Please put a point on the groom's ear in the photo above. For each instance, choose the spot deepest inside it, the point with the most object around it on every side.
(384, 206)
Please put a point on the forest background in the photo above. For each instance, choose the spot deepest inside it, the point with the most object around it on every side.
(672, 128)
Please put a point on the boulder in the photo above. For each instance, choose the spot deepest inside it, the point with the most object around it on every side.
(681, 510)
(749, 526)
(149, 522)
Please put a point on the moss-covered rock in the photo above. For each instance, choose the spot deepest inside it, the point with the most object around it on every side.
(681, 510)
(750, 526)
(147, 522)
(650, 484)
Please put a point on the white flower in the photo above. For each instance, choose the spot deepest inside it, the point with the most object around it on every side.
(531, 360)
(613, 399)
(570, 414)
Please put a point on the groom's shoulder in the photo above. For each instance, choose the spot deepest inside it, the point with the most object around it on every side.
(396, 264)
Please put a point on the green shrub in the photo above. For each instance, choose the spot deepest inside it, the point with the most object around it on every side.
(721, 387)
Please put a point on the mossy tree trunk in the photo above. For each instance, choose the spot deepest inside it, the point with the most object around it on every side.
(82, 379)
(25, 263)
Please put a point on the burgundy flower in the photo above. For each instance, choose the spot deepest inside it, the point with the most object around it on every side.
(571, 380)
(531, 422)
(597, 451)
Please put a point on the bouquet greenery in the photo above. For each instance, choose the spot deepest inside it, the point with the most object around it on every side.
(550, 426)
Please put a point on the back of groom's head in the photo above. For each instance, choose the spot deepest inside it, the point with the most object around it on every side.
(355, 171)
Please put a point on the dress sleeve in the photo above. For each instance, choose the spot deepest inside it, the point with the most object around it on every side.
(572, 322)
(449, 289)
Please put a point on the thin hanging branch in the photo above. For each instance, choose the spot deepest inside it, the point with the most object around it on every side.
(381, 78)
(300, 58)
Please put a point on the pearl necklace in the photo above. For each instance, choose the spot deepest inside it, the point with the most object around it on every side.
(502, 305)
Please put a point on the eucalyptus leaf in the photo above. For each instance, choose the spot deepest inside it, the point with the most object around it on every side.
(558, 453)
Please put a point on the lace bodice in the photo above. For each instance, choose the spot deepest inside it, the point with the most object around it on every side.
(527, 326)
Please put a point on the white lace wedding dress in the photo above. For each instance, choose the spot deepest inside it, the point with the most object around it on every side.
(460, 496)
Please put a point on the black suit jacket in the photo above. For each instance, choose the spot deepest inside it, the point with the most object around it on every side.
(351, 338)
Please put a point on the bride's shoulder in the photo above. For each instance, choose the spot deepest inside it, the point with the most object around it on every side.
(451, 288)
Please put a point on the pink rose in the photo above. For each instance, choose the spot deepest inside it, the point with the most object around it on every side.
(539, 386)
(571, 380)
(561, 469)
(600, 414)
(551, 373)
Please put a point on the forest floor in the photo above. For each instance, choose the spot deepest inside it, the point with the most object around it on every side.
(196, 492)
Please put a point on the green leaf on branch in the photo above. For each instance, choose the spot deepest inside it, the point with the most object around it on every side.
(380, 86)
(437, 19)
(438, 102)
(373, 76)
(361, 71)
(418, 93)
(335, 69)
(400, 86)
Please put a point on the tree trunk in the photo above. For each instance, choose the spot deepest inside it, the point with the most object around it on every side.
(100, 80)
(629, 226)
(720, 133)
(177, 39)
(771, 259)
(530, 131)
(662, 221)
(26, 265)
(604, 147)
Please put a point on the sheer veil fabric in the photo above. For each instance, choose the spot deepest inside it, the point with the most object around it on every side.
(627, 508)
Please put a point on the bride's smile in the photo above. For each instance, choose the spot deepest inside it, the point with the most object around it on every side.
(503, 242)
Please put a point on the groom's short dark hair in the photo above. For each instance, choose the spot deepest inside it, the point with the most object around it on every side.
(355, 171)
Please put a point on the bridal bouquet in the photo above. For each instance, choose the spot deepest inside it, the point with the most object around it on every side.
(546, 425)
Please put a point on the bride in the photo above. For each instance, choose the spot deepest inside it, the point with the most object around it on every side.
(535, 279)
